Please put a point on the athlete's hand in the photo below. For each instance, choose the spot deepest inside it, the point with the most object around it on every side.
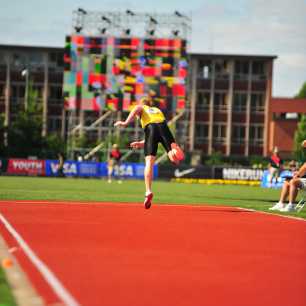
(137, 144)
(120, 124)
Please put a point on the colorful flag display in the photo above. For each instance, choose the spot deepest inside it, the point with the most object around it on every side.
(114, 73)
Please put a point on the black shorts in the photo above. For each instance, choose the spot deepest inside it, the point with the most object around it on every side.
(156, 133)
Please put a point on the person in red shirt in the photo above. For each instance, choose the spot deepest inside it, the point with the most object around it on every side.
(114, 163)
(275, 165)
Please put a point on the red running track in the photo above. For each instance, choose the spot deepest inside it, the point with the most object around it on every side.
(120, 254)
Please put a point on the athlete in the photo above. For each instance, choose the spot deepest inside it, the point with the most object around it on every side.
(156, 131)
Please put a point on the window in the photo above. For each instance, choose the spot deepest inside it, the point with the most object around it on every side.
(56, 58)
(241, 70)
(202, 130)
(258, 67)
(55, 92)
(219, 133)
(203, 100)
(239, 102)
(54, 124)
(257, 102)
(256, 135)
(2, 90)
(36, 59)
(221, 69)
(238, 134)
(220, 101)
(205, 69)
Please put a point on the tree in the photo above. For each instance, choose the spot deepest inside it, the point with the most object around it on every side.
(302, 92)
(300, 135)
(24, 134)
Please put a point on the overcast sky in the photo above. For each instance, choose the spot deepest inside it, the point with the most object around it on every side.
(258, 27)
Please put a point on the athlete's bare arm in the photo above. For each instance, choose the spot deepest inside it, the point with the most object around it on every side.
(136, 111)
(301, 172)
(137, 144)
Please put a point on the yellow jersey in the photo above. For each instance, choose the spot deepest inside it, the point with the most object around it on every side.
(151, 115)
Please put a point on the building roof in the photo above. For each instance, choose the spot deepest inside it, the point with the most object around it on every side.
(199, 55)
(31, 47)
(288, 105)
(231, 56)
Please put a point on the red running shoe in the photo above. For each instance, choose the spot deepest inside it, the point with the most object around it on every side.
(178, 152)
(148, 200)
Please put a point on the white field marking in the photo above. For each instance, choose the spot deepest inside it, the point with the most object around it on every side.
(47, 274)
(271, 214)
(140, 203)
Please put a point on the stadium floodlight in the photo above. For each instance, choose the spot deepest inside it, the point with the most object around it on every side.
(128, 12)
(152, 20)
(106, 19)
(78, 29)
(80, 10)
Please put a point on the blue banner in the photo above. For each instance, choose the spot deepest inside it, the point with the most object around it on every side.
(94, 169)
(276, 183)
(70, 168)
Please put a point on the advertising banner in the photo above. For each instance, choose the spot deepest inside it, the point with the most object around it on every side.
(26, 166)
(94, 169)
(248, 174)
(129, 170)
(276, 183)
(70, 168)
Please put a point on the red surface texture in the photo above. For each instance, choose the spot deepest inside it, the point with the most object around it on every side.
(121, 254)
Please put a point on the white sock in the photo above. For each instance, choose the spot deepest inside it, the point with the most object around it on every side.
(148, 192)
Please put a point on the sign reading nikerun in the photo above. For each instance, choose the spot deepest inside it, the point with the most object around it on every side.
(242, 174)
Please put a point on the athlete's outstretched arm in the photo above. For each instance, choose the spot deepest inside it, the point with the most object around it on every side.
(137, 144)
(136, 111)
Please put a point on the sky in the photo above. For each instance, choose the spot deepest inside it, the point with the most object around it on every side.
(256, 27)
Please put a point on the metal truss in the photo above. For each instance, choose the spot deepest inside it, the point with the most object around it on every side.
(129, 23)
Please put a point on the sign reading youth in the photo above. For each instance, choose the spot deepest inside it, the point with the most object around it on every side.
(26, 166)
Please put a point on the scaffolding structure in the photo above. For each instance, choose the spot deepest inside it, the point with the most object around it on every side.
(119, 24)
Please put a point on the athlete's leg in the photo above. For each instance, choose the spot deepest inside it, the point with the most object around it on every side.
(175, 153)
(150, 150)
(295, 184)
(148, 172)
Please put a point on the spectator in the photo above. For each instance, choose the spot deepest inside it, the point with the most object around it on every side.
(60, 169)
(298, 182)
(114, 163)
(275, 166)
(285, 188)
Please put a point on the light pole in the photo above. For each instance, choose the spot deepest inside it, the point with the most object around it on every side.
(25, 73)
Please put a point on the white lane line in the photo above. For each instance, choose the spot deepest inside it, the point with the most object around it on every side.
(272, 214)
(47, 274)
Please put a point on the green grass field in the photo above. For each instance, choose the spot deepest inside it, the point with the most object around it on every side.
(6, 298)
(77, 189)
(88, 190)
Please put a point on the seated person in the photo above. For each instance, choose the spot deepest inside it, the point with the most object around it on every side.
(291, 188)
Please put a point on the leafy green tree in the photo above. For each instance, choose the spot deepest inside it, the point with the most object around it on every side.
(216, 158)
(300, 135)
(24, 134)
(302, 92)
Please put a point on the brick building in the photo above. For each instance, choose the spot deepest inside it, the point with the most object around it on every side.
(229, 97)
(284, 115)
